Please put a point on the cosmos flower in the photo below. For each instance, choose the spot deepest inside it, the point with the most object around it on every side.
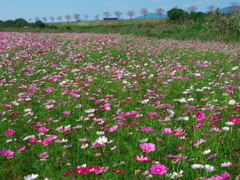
(158, 169)
(147, 147)
(9, 132)
(200, 115)
(167, 131)
(141, 158)
(30, 177)
(102, 140)
(46, 141)
(6, 152)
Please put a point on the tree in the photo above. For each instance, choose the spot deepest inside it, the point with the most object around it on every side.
(106, 14)
(96, 17)
(59, 18)
(211, 8)
(37, 18)
(192, 8)
(234, 7)
(176, 14)
(118, 14)
(77, 17)
(39, 24)
(160, 11)
(44, 19)
(68, 17)
(144, 12)
(86, 17)
(130, 14)
(52, 18)
(30, 20)
(20, 22)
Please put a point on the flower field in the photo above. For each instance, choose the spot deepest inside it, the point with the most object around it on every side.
(104, 107)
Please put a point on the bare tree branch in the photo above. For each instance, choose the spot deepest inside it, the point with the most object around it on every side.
(37, 19)
(106, 14)
(76, 16)
(118, 13)
(96, 17)
(86, 17)
(131, 14)
(44, 19)
(59, 18)
(68, 17)
(144, 12)
(234, 7)
(160, 11)
(192, 8)
(211, 8)
(52, 18)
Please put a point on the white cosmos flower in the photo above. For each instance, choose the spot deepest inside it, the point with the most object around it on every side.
(209, 168)
(84, 145)
(235, 68)
(30, 177)
(225, 128)
(229, 123)
(143, 140)
(232, 102)
(182, 100)
(100, 132)
(197, 166)
(207, 151)
(102, 140)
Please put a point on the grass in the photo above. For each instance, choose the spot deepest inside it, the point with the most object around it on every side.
(62, 91)
(109, 22)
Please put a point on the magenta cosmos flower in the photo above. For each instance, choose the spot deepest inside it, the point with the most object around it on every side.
(158, 169)
(147, 147)
(9, 132)
(6, 152)
(46, 141)
(200, 115)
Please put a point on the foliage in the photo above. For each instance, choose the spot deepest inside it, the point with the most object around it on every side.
(39, 24)
(176, 15)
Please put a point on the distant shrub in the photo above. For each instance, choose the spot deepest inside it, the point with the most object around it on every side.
(39, 24)
(20, 22)
(68, 28)
(177, 15)
(9, 23)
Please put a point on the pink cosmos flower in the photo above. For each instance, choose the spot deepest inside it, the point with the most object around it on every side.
(46, 141)
(147, 147)
(146, 129)
(158, 169)
(200, 115)
(43, 129)
(9, 132)
(141, 158)
(6, 152)
(113, 128)
(177, 133)
(225, 175)
(215, 178)
(234, 120)
(167, 131)
(22, 148)
(66, 112)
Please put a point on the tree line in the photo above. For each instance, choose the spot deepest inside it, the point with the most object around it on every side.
(144, 11)
(175, 14)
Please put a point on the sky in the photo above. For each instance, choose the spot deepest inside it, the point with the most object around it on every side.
(13, 9)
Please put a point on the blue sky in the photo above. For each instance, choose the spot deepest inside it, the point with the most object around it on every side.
(12, 9)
